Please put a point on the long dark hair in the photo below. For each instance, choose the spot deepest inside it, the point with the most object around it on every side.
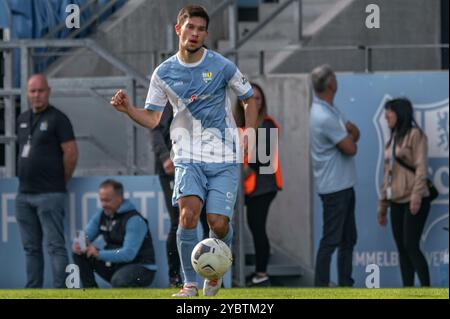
(238, 111)
(403, 109)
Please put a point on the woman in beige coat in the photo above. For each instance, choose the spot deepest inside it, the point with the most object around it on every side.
(405, 191)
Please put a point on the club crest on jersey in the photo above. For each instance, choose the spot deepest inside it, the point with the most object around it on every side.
(207, 76)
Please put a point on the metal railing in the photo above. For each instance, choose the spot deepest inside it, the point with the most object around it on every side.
(26, 45)
(132, 80)
(91, 140)
(62, 25)
(367, 51)
(93, 10)
(264, 23)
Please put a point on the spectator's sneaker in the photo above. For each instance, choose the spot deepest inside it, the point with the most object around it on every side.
(211, 287)
(259, 281)
(187, 291)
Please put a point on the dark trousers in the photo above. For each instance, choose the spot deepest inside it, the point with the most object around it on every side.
(339, 231)
(41, 217)
(257, 211)
(173, 257)
(407, 229)
(118, 275)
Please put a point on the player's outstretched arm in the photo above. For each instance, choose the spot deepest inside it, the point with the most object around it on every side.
(146, 118)
(251, 123)
(251, 113)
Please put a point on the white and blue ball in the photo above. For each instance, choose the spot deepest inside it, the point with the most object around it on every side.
(211, 258)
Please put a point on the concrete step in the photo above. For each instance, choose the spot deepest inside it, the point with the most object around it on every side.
(276, 29)
(265, 9)
(245, 27)
(281, 32)
(283, 25)
(321, 13)
(255, 45)
(312, 9)
(249, 54)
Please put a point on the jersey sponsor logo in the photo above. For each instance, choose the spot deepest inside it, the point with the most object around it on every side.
(194, 97)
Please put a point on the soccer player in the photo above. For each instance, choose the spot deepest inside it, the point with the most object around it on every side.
(195, 81)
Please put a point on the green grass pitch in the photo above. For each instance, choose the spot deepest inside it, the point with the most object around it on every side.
(233, 293)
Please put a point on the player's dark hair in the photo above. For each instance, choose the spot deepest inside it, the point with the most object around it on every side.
(192, 11)
(117, 186)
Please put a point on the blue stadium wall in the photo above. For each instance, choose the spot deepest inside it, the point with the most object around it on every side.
(144, 191)
(361, 97)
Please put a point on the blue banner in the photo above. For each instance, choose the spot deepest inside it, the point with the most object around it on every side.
(82, 203)
(361, 97)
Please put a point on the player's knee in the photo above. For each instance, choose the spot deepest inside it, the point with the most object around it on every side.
(219, 225)
(188, 217)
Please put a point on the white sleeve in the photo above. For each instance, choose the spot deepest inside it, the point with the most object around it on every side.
(240, 85)
(156, 97)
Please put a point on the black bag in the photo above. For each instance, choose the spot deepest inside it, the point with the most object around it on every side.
(431, 188)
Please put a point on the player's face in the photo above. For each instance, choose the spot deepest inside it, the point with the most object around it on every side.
(192, 34)
(38, 93)
(109, 200)
(391, 118)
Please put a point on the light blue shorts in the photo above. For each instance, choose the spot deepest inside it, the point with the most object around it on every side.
(216, 184)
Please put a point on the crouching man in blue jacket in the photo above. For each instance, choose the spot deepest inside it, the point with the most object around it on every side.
(128, 258)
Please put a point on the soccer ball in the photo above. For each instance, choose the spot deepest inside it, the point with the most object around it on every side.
(211, 258)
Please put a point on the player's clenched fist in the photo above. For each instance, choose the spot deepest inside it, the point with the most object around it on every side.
(120, 101)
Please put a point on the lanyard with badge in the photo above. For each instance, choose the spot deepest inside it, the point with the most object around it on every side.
(27, 147)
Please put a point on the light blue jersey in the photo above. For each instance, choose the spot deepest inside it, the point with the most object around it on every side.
(203, 129)
(204, 137)
(333, 170)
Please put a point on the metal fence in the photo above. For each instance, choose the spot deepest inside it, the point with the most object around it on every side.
(366, 54)
(131, 80)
